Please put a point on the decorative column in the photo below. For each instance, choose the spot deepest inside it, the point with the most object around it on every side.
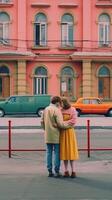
(22, 25)
(21, 81)
(87, 86)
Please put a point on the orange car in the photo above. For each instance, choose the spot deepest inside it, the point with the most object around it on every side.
(92, 105)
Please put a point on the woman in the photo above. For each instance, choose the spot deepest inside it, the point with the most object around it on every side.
(68, 142)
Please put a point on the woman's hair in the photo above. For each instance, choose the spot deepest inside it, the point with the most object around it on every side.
(56, 99)
(65, 103)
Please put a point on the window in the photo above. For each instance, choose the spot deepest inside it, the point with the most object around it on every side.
(40, 29)
(4, 70)
(40, 81)
(86, 101)
(94, 101)
(67, 82)
(67, 30)
(4, 28)
(4, 81)
(104, 82)
(104, 71)
(0, 86)
(104, 30)
(12, 99)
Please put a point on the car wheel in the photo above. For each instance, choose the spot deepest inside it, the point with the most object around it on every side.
(39, 112)
(110, 113)
(1, 113)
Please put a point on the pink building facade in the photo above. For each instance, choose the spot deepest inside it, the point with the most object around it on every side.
(57, 47)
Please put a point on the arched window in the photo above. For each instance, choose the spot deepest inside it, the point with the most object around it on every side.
(67, 81)
(40, 80)
(104, 29)
(4, 82)
(4, 28)
(67, 30)
(40, 29)
(104, 71)
(104, 82)
(4, 70)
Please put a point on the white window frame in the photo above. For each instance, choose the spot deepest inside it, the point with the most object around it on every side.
(4, 38)
(41, 42)
(65, 34)
(38, 85)
(106, 33)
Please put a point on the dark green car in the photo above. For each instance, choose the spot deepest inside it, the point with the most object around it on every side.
(34, 104)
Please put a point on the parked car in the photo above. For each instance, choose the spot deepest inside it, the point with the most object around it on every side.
(34, 104)
(92, 105)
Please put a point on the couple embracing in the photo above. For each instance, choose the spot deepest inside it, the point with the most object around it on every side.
(58, 121)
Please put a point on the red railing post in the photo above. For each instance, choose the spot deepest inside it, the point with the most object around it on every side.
(88, 137)
(9, 138)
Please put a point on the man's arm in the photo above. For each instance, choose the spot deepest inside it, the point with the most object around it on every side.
(59, 120)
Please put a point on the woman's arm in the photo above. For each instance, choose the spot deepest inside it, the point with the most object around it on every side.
(73, 115)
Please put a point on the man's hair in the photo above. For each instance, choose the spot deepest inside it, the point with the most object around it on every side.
(56, 99)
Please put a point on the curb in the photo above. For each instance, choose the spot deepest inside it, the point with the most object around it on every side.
(39, 127)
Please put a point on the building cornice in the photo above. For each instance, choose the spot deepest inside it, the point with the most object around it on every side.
(96, 56)
(19, 53)
(93, 53)
(16, 55)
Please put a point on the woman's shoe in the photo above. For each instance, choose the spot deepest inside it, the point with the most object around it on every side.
(73, 175)
(66, 174)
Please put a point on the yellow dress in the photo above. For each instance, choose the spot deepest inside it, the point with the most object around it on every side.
(68, 143)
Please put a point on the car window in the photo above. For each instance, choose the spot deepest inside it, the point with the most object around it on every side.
(85, 101)
(12, 100)
(95, 101)
(18, 99)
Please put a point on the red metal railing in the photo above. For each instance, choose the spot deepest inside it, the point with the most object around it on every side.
(9, 134)
(88, 149)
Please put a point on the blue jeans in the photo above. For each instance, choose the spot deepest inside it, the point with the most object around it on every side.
(53, 148)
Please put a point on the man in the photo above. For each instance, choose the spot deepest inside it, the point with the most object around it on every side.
(52, 116)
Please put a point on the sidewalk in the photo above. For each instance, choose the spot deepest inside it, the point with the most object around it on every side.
(24, 177)
(34, 122)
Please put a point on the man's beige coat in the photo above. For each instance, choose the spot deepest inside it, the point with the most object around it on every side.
(52, 116)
